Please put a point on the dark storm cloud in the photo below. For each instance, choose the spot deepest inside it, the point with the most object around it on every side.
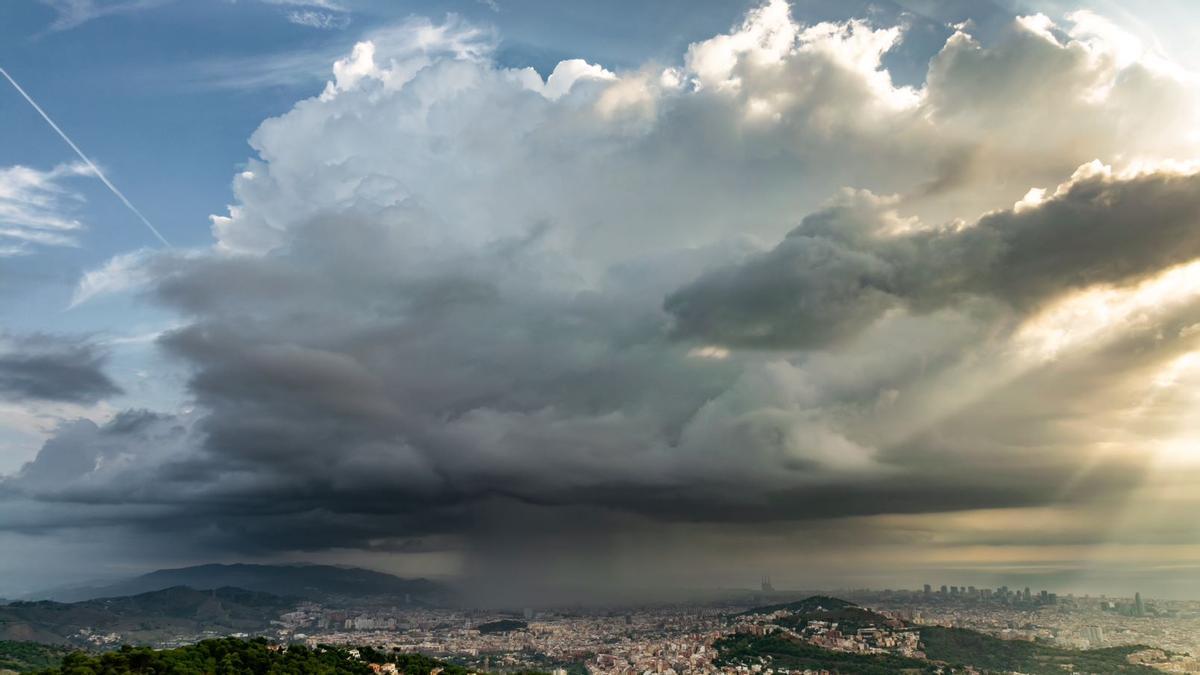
(50, 368)
(840, 269)
(423, 407)
(343, 429)
(457, 308)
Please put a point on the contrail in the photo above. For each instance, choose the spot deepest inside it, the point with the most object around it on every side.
(99, 174)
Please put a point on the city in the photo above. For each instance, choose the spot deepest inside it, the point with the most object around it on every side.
(599, 337)
(680, 639)
(366, 614)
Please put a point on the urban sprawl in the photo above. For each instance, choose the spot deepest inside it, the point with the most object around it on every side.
(679, 639)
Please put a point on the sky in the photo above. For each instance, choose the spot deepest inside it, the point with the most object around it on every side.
(564, 299)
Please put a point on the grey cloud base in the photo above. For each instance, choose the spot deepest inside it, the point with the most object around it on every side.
(413, 413)
(49, 368)
(459, 309)
(841, 269)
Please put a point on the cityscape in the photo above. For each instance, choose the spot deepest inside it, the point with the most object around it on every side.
(599, 337)
(684, 638)
(687, 633)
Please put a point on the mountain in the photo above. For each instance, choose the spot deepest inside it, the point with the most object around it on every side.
(502, 626)
(231, 655)
(313, 582)
(26, 656)
(944, 650)
(816, 603)
(991, 654)
(146, 617)
(847, 615)
(786, 653)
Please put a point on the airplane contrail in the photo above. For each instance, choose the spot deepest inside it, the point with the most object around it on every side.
(99, 174)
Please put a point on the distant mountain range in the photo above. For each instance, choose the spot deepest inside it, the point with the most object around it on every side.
(146, 617)
(310, 582)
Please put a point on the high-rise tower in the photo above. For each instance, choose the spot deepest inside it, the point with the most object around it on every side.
(766, 584)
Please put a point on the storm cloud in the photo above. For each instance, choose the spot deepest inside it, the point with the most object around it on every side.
(607, 315)
(844, 267)
(49, 368)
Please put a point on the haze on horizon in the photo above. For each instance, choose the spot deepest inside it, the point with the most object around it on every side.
(604, 298)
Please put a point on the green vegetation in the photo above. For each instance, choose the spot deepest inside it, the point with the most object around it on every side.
(967, 647)
(951, 648)
(23, 656)
(145, 618)
(502, 626)
(848, 619)
(316, 582)
(807, 605)
(411, 664)
(784, 652)
(231, 656)
(849, 616)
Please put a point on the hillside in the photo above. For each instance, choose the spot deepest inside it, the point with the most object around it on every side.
(808, 646)
(807, 605)
(961, 646)
(24, 656)
(232, 656)
(502, 626)
(147, 617)
(782, 652)
(849, 616)
(315, 582)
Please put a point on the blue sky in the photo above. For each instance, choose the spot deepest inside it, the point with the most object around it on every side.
(458, 282)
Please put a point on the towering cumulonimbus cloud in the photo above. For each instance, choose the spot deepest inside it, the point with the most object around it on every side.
(459, 308)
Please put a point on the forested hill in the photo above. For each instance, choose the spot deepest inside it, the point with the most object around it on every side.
(147, 617)
(988, 653)
(945, 650)
(25, 656)
(815, 603)
(314, 582)
(230, 656)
